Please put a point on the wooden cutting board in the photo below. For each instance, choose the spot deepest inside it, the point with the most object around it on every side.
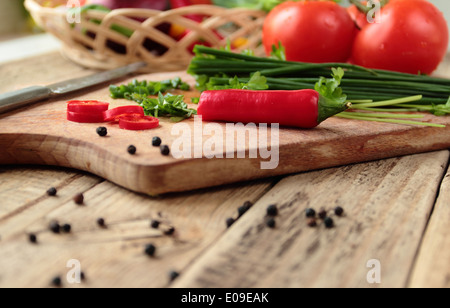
(41, 135)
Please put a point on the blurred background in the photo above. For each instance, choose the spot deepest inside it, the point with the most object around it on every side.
(18, 31)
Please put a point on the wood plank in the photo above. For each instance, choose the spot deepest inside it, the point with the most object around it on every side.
(432, 268)
(40, 70)
(387, 204)
(27, 199)
(113, 256)
(20, 188)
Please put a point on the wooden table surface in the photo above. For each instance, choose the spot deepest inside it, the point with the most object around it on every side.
(395, 226)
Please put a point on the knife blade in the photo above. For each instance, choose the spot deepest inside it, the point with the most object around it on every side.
(23, 97)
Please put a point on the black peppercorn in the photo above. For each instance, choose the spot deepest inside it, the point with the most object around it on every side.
(173, 275)
(150, 250)
(310, 213)
(131, 149)
(156, 141)
(244, 208)
(169, 231)
(78, 199)
(56, 281)
(270, 222)
(165, 150)
(66, 228)
(248, 204)
(54, 227)
(339, 211)
(32, 238)
(102, 131)
(272, 210)
(51, 191)
(229, 221)
(101, 222)
(329, 223)
(322, 214)
(155, 224)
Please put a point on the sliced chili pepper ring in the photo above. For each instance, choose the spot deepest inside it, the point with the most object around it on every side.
(87, 106)
(84, 117)
(116, 113)
(133, 122)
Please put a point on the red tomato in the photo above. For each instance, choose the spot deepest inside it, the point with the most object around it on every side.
(84, 117)
(87, 106)
(131, 122)
(412, 37)
(310, 31)
(116, 113)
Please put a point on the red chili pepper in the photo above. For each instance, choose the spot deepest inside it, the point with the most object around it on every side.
(115, 113)
(87, 106)
(84, 117)
(137, 122)
(300, 108)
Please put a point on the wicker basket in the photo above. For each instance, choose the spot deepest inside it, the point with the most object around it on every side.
(99, 45)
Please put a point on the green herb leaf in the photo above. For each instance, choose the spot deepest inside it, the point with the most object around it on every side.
(168, 105)
(441, 109)
(257, 82)
(177, 119)
(147, 87)
(278, 52)
(329, 88)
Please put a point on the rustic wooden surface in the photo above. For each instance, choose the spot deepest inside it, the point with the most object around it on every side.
(395, 212)
(41, 134)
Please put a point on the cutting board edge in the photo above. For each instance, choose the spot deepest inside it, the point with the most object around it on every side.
(165, 178)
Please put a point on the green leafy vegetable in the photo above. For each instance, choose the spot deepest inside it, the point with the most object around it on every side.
(255, 82)
(168, 105)
(278, 52)
(147, 87)
(331, 100)
(329, 88)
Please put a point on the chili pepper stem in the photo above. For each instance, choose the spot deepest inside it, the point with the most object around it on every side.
(328, 108)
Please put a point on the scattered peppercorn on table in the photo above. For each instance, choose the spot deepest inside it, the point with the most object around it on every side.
(382, 223)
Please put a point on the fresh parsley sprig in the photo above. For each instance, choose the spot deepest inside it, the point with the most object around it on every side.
(329, 87)
(255, 82)
(147, 87)
(168, 105)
